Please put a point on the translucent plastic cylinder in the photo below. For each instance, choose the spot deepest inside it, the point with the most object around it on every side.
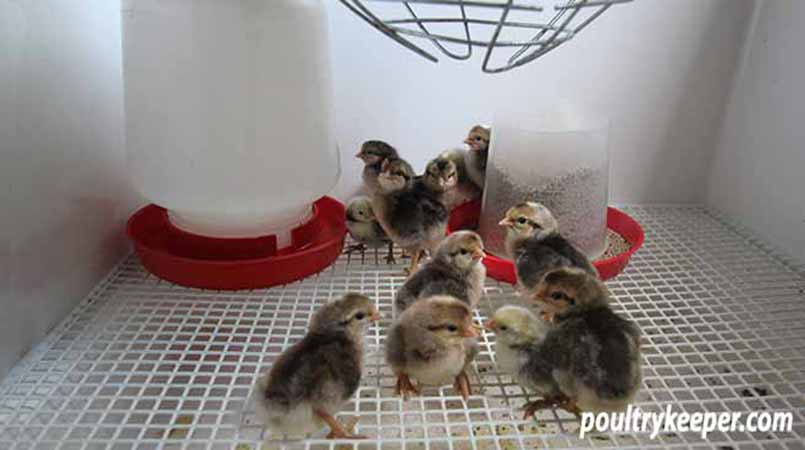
(558, 160)
(229, 120)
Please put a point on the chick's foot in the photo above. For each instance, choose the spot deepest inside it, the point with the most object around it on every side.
(570, 406)
(405, 387)
(343, 435)
(337, 431)
(531, 408)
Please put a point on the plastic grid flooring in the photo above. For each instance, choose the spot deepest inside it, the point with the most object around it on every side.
(143, 364)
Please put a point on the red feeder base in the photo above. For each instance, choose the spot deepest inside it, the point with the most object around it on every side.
(231, 264)
(465, 217)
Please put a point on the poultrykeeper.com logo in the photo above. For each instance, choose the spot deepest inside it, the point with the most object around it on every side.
(633, 420)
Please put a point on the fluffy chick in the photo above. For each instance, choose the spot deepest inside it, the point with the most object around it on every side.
(312, 379)
(476, 159)
(603, 371)
(517, 329)
(411, 217)
(365, 229)
(522, 352)
(456, 187)
(535, 245)
(373, 153)
(433, 341)
(454, 270)
(439, 179)
(588, 360)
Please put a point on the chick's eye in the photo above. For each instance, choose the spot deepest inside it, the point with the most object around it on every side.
(557, 296)
(360, 316)
(452, 328)
(478, 139)
(503, 328)
(463, 251)
(522, 220)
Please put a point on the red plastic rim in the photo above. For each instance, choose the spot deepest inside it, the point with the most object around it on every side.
(465, 217)
(233, 264)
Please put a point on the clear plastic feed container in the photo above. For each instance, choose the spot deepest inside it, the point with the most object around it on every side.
(228, 104)
(558, 160)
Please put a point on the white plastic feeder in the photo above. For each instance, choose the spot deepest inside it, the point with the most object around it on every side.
(558, 158)
(228, 107)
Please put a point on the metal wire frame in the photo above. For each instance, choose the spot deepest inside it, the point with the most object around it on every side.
(562, 27)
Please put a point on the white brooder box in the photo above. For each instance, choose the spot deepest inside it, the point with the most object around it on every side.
(704, 102)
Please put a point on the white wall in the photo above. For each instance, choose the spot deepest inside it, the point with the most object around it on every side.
(63, 190)
(757, 173)
(660, 70)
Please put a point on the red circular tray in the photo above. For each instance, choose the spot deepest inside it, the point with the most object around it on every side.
(232, 264)
(465, 217)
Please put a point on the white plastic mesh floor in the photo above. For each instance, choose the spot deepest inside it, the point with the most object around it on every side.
(143, 364)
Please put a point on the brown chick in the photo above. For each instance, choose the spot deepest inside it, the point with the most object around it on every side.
(434, 342)
(373, 153)
(534, 244)
(594, 353)
(447, 179)
(310, 381)
(478, 155)
(456, 270)
(412, 218)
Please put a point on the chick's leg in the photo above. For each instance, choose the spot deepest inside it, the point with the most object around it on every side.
(414, 262)
(336, 430)
(405, 387)
(390, 256)
(355, 248)
(462, 386)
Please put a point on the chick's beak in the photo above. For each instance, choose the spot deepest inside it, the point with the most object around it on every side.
(490, 325)
(469, 332)
(541, 295)
(542, 301)
(374, 315)
(478, 254)
(505, 222)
